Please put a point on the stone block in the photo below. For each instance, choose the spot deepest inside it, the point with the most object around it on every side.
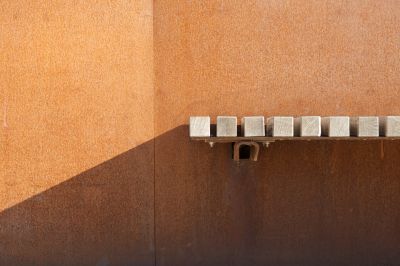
(280, 126)
(253, 126)
(308, 126)
(335, 126)
(389, 126)
(199, 126)
(364, 126)
(226, 126)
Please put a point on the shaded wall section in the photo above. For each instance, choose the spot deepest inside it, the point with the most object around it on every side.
(103, 216)
(76, 90)
(318, 203)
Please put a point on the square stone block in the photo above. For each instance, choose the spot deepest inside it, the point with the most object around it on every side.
(253, 126)
(280, 126)
(335, 126)
(308, 126)
(364, 126)
(199, 126)
(226, 126)
(389, 126)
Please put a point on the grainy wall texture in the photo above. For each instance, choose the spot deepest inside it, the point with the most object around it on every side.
(76, 147)
(311, 203)
(96, 165)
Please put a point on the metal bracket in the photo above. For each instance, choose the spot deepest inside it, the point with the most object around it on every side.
(254, 142)
(254, 150)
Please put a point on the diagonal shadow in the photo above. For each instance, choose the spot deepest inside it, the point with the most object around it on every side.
(302, 203)
(103, 216)
(322, 202)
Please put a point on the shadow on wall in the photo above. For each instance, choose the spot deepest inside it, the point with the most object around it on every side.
(103, 216)
(303, 203)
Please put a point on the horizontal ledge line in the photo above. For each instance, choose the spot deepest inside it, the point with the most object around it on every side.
(271, 139)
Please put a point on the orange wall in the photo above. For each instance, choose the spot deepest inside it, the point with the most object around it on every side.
(76, 148)
(96, 166)
(319, 203)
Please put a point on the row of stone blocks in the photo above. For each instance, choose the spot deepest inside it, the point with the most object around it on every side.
(304, 126)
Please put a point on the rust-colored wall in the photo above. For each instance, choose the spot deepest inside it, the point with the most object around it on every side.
(76, 137)
(79, 153)
(317, 203)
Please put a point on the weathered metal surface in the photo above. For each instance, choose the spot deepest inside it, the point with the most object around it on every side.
(254, 150)
(273, 139)
(266, 141)
(303, 203)
(77, 83)
(317, 194)
(76, 133)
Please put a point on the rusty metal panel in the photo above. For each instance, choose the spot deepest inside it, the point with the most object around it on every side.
(303, 203)
(76, 172)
